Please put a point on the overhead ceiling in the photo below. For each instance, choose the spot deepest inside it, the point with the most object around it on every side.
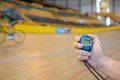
(46, 4)
(38, 1)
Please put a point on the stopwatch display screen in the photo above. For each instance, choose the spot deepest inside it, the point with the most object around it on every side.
(86, 41)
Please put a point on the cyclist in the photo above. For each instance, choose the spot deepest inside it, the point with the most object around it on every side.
(12, 21)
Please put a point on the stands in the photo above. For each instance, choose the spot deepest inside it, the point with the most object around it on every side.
(37, 13)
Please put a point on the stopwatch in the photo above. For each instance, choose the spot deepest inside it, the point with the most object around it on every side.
(87, 42)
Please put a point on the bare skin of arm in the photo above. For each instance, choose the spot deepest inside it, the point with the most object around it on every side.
(107, 65)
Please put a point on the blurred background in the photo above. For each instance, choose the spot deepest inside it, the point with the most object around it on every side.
(48, 28)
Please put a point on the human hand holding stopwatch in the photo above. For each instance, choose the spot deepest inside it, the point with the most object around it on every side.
(93, 58)
(94, 55)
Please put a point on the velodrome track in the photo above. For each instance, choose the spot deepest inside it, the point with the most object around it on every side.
(50, 57)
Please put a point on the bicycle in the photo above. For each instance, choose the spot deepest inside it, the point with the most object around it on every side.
(18, 36)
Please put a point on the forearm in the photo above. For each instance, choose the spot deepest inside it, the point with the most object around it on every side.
(110, 67)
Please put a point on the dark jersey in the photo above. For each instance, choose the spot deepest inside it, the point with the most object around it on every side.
(7, 16)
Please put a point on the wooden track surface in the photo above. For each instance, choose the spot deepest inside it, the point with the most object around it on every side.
(50, 57)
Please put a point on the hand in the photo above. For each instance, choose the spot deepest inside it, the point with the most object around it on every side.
(94, 56)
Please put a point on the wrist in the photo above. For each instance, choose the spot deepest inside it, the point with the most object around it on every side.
(101, 63)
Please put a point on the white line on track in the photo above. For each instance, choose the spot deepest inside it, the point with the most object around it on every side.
(36, 56)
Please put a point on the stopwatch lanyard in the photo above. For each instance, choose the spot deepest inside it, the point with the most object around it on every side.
(87, 64)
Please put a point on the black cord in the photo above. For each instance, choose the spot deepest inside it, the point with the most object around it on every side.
(88, 65)
(95, 70)
(91, 70)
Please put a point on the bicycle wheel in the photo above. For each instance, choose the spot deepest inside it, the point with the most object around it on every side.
(19, 36)
(2, 37)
